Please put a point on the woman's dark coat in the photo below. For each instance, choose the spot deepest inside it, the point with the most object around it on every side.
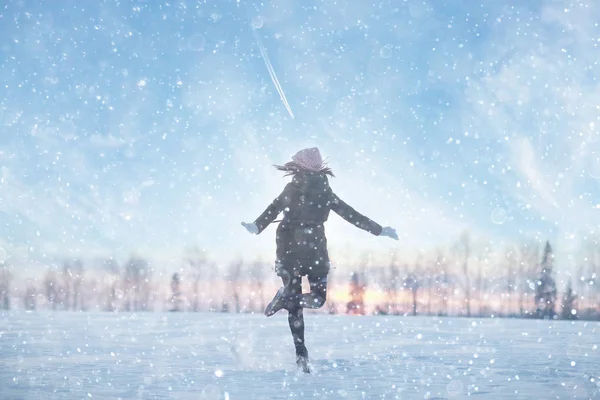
(306, 202)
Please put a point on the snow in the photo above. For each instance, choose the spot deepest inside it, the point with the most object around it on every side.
(242, 356)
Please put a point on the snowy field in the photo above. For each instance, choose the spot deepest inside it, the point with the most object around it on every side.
(228, 356)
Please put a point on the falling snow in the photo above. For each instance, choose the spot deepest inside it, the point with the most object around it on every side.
(136, 135)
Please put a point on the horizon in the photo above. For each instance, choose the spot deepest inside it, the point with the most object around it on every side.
(148, 129)
(395, 289)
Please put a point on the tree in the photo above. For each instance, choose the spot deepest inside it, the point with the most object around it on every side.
(65, 289)
(358, 286)
(196, 260)
(527, 268)
(137, 285)
(568, 303)
(464, 253)
(412, 283)
(581, 283)
(235, 273)
(484, 253)
(257, 275)
(77, 284)
(175, 299)
(592, 281)
(510, 257)
(380, 275)
(30, 296)
(442, 282)
(51, 289)
(72, 280)
(214, 292)
(430, 272)
(392, 286)
(110, 279)
(545, 296)
(5, 282)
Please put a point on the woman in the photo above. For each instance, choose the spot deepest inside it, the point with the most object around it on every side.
(301, 242)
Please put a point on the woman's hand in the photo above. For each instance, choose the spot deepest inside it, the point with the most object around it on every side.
(250, 227)
(389, 232)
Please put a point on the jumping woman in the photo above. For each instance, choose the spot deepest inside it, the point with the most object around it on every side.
(301, 242)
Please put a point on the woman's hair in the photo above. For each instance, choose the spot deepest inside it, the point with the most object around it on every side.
(291, 168)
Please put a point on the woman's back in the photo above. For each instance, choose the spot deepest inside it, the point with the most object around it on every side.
(310, 199)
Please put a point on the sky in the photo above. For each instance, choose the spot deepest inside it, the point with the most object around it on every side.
(148, 127)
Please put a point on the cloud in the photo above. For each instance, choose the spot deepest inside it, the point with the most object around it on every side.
(535, 100)
(109, 140)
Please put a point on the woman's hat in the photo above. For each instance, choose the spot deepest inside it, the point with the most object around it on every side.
(309, 159)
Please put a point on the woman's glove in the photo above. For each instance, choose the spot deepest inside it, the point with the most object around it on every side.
(251, 227)
(389, 232)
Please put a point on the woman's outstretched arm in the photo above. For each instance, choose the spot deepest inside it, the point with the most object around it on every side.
(353, 216)
(274, 209)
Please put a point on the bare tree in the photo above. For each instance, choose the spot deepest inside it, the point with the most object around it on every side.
(568, 306)
(596, 282)
(412, 282)
(593, 280)
(545, 296)
(5, 282)
(405, 295)
(480, 286)
(463, 250)
(430, 278)
(477, 290)
(581, 283)
(392, 286)
(90, 293)
(175, 299)
(379, 276)
(196, 260)
(214, 293)
(442, 278)
(235, 273)
(111, 277)
(257, 274)
(30, 296)
(65, 289)
(527, 268)
(522, 277)
(137, 285)
(77, 284)
(51, 288)
(511, 262)
(358, 286)
(71, 276)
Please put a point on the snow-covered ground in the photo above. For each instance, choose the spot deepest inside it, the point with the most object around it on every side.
(227, 356)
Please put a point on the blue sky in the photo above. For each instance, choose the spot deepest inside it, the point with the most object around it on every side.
(148, 126)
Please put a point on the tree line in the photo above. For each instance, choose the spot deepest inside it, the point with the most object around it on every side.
(472, 281)
(467, 279)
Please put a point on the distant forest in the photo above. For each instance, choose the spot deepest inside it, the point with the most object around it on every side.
(465, 280)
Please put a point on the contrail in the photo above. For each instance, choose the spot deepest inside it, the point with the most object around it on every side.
(263, 53)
